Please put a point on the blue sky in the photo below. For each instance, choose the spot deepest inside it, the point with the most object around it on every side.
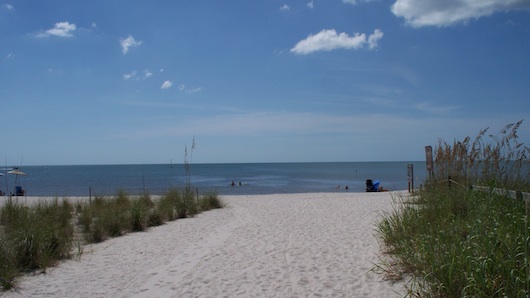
(113, 82)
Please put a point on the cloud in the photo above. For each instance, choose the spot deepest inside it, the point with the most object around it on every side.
(310, 5)
(130, 75)
(129, 42)
(354, 2)
(374, 38)
(328, 40)
(183, 88)
(134, 75)
(147, 74)
(61, 29)
(9, 6)
(194, 90)
(419, 13)
(167, 84)
(285, 7)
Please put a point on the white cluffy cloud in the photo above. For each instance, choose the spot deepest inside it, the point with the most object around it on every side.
(419, 13)
(328, 40)
(129, 42)
(61, 29)
(166, 84)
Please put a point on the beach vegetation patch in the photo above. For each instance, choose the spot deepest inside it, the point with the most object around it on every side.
(453, 240)
(210, 201)
(33, 238)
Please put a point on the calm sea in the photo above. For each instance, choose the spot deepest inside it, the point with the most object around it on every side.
(255, 178)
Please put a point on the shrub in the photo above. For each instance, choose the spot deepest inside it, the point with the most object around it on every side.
(166, 210)
(8, 265)
(37, 237)
(180, 204)
(155, 217)
(210, 201)
(189, 204)
(139, 212)
(454, 241)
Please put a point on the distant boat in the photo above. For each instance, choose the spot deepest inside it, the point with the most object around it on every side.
(17, 172)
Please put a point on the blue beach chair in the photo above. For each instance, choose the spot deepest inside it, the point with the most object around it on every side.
(19, 192)
(372, 185)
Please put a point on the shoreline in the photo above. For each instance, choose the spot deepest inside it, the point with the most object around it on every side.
(302, 245)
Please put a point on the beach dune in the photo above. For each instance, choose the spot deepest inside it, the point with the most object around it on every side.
(289, 245)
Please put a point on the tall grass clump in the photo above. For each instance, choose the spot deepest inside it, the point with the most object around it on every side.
(139, 212)
(498, 160)
(33, 238)
(115, 215)
(8, 265)
(453, 241)
(104, 218)
(210, 201)
(179, 204)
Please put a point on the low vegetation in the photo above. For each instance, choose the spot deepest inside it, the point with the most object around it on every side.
(453, 241)
(33, 238)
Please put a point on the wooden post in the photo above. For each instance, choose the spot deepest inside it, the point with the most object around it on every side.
(410, 177)
(429, 161)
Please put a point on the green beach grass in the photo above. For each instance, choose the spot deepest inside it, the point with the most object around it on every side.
(36, 237)
(453, 241)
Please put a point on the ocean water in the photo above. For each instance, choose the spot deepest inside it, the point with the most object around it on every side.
(255, 178)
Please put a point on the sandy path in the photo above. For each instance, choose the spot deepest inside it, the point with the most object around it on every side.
(296, 245)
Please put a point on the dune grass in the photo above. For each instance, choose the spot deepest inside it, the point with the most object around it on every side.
(38, 236)
(457, 242)
(33, 238)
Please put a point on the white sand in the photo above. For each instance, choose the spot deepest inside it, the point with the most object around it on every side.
(296, 245)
